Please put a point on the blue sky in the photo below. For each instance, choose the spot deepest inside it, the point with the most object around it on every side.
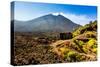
(25, 11)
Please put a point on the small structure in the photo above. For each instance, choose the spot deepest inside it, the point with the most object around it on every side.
(65, 36)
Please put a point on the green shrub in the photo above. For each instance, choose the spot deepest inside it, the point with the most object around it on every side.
(94, 46)
(91, 42)
(94, 50)
(71, 56)
(81, 43)
(85, 49)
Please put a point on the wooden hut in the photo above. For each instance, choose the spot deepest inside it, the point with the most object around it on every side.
(64, 36)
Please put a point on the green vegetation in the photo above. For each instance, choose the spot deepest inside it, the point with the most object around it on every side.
(70, 56)
(83, 46)
(91, 42)
(88, 27)
(89, 32)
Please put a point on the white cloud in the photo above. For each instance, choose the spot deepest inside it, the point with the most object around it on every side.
(56, 14)
(79, 19)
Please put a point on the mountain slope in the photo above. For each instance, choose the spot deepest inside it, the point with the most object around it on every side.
(47, 23)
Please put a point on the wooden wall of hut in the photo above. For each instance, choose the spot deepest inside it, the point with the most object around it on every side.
(64, 36)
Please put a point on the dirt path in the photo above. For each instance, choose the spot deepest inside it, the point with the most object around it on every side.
(59, 42)
(54, 45)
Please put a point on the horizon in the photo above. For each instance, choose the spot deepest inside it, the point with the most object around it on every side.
(25, 11)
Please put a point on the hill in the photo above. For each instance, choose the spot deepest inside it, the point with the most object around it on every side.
(82, 47)
(47, 23)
